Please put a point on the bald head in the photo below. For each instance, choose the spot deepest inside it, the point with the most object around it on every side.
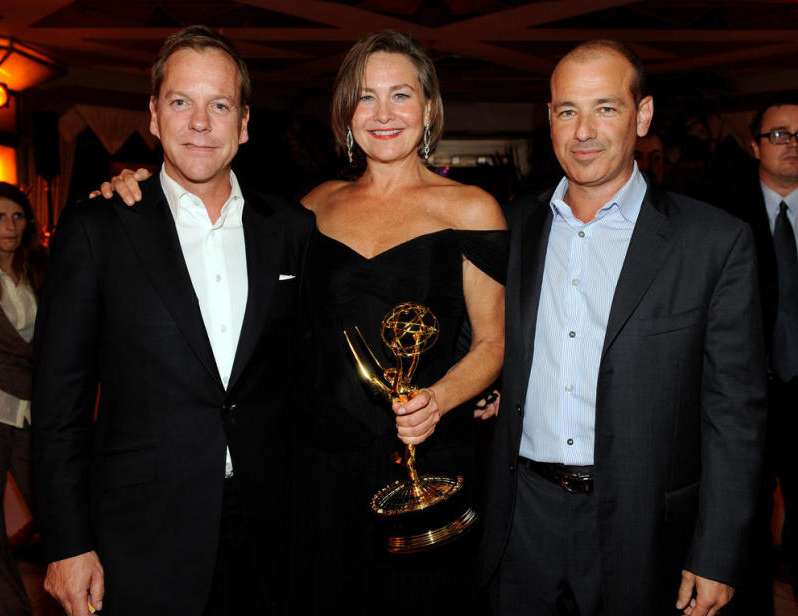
(595, 121)
(593, 50)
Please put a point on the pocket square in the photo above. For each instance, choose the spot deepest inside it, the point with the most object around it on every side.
(286, 276)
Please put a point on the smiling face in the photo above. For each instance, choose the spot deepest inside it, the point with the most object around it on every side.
(12, 226)
(594, 120)
(197, 117)
(778, 164)
(389, 119)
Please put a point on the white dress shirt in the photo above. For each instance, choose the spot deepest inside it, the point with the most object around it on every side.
(582, 267)
(19, 304)
(216, 259)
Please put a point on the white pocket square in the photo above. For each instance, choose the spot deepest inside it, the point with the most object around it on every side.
(286, 276)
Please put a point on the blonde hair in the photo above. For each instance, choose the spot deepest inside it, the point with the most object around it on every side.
(200, 38)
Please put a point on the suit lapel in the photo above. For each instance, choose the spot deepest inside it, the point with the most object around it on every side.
(263, 246)
(150, 227)
(760, 223)
(535, 229)
(652, 240)
(763, 237)
(752, 209)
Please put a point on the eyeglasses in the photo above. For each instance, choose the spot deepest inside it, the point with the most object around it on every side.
(779, 137)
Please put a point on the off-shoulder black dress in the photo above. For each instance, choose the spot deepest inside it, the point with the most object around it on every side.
(345, 437)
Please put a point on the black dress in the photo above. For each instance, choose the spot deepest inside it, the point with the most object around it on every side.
(345, 437)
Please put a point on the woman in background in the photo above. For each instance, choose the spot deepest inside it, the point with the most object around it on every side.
(22, 266)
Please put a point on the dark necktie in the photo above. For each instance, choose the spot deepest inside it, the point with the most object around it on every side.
(785, 331)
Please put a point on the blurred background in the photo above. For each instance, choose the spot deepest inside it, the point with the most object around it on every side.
(74, 89)
(76, 76)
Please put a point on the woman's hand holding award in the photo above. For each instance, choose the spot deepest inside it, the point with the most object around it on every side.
(422, 511)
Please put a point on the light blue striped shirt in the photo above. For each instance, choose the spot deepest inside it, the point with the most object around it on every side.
(583, 263)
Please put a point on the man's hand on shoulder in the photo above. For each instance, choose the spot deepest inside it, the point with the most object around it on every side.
(699, 596)
(126, 184)
(76, 582)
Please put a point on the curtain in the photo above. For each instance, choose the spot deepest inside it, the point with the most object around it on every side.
(112, 127)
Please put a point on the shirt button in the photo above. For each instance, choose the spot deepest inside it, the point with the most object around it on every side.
(569, 388)
(218, 277)
(570, 441)
(575, 282)
(581, 234)
(223, 328)
(518, 409)
(572, 334)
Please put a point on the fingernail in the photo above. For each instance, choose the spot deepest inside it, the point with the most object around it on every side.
(129, 201)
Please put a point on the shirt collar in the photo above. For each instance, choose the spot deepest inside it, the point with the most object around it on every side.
(628, 199)
(773, 199)
(7, 279)
(186, 206)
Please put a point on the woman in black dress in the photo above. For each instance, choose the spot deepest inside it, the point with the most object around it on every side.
(398, 233)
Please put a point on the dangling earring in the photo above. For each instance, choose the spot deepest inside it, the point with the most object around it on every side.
(425, 141)
(350, 142)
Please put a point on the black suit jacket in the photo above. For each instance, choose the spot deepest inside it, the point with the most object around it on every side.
(680, 407)
(747, 202)
(142, 485)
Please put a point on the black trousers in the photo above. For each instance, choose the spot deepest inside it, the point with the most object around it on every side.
(784, 408)
(550, 566)
(755, 594)
(14, 457)
(236, 589)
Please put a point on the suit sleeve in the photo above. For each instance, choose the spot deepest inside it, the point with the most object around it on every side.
(733, 418)
(65, 390)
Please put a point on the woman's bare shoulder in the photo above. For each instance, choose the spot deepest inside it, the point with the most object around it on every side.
(470, 207)
(323, 194)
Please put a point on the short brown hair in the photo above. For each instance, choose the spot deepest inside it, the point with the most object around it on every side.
(349, 81)
(200, 38)
(589, 49)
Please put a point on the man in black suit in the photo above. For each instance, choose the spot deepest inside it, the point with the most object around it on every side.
(183, 309)
(758, 200)
(626, 459)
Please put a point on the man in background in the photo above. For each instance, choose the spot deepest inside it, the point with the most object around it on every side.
(768, 201)
(650, 157)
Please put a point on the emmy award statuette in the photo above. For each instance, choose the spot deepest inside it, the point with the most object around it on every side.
(422, 511)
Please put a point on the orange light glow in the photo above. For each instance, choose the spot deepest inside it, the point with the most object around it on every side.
(23, 66)
(3, 95)
(8, 165)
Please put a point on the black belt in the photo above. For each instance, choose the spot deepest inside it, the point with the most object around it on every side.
(572, 479)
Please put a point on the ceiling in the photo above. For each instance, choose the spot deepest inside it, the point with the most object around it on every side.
(485, 50)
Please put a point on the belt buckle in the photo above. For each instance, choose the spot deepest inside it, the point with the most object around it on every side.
(580, 486)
